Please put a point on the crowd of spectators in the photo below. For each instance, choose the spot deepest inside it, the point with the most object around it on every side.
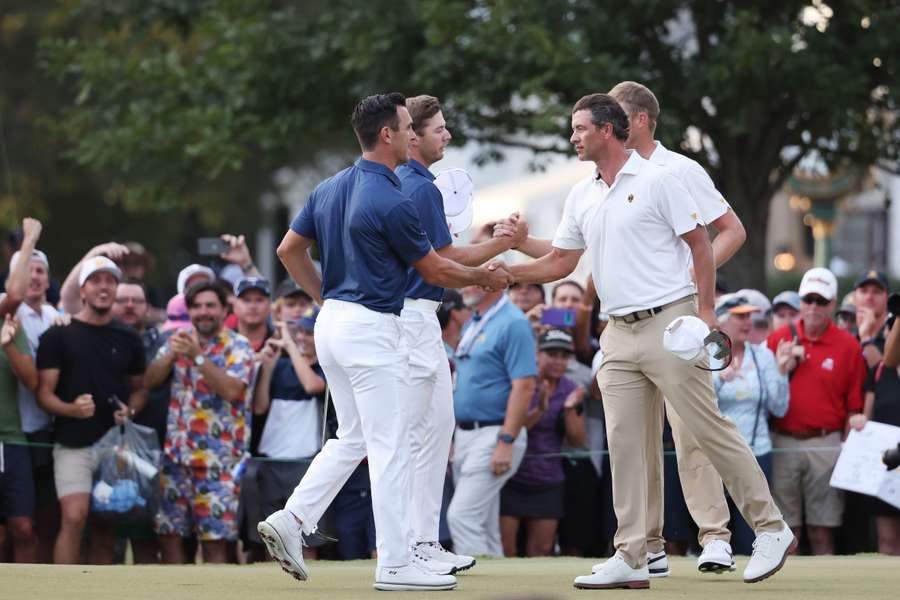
(225, 373)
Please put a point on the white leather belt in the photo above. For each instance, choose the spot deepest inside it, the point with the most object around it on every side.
(421, 305)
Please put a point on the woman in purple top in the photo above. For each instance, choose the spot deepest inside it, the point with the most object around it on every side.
(535, 493)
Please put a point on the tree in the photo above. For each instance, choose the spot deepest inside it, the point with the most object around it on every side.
(170, 97)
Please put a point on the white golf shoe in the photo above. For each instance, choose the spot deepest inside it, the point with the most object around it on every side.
(716, 558)
(614, 573)
(434, 551)
(432, 565)
(281, 534)
(411, 577)
(657, 564)
(770, 550)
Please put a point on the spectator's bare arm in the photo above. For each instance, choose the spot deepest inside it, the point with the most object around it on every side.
(82, 408)
(576, 434)
(17, 282)
(21, 363)
(70, 293)
(239, 254)
(158, 370)
(138, 398)
(516, 409)
(268, 358)
(231, 389)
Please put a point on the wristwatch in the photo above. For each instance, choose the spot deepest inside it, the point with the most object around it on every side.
(505, 438)
(199, 360)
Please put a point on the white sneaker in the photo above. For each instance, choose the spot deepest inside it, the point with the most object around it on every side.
(770, 550)
(657, 564)
(411, 578)
(614, 573)
(283, 539)
(427, 563)
(434, 551)
(716, 558)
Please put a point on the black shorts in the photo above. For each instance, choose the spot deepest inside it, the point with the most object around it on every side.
(527, 502)
(16, 482)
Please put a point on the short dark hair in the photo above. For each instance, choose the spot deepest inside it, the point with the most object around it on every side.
(374, 112)
(137, 282)
(422, 108)
(566, 282)
(204, 286)
(604, 109)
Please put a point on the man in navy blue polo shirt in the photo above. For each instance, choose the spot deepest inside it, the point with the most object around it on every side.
(368, 234)
(431, 392)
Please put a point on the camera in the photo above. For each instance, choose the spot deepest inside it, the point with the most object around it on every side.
(893, 306)
(891, 458)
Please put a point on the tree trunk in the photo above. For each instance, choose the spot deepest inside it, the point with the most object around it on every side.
(748, 267)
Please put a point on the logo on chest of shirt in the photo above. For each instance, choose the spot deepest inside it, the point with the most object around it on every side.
(828, 364)
(630, 198)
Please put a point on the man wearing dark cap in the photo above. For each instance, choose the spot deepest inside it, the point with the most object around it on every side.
(870, 295)
(452, 315)
(291, 302)
(253, 301)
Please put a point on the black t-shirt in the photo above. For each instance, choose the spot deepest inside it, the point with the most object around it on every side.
(886, 408)
(92, 359)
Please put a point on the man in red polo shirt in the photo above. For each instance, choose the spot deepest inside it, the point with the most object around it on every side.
(827, 376)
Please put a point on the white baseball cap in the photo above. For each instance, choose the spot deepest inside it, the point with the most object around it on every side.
(191, 270)
(684, 337)
(36, 255)
(819, 281)
(96, 265)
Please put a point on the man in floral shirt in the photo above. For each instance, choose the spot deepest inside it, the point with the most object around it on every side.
(208, 427)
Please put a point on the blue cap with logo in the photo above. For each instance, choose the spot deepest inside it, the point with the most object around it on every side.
(252, 283)
(308, 320)
(873, 276)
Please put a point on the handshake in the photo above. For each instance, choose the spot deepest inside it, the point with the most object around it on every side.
(494, 276)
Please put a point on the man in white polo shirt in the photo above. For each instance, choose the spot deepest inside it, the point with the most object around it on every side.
(632, 217)
(703, 490)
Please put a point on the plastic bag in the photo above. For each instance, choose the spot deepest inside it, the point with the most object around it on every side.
(126, 475)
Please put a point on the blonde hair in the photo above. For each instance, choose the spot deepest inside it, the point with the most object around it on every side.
(635, 99)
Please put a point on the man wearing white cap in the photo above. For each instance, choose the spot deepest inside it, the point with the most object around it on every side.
(643, 229)
(826, 381)
(88, 370)
(192, 274)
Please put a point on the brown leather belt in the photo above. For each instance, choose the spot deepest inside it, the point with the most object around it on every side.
(805, 434)
(640, 315)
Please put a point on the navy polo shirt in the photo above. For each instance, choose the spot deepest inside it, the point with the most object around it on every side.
(368, 234)
(417, 183)
(505, 350)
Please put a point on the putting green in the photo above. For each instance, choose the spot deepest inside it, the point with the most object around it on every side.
(839, 578)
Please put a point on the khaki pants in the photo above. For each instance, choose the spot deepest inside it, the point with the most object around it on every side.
(703, 490)
(635, 370)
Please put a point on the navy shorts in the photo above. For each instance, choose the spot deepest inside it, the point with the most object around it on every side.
(16, 482)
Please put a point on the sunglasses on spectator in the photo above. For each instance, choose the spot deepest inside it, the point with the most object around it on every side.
(815, 299)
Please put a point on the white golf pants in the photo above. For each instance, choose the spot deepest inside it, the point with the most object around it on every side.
(431, 416)
(364, 357)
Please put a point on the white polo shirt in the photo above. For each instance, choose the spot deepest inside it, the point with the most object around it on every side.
(631, 233)
(35, 323)
(709, 200)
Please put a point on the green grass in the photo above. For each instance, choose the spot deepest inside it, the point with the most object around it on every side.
(838, 578)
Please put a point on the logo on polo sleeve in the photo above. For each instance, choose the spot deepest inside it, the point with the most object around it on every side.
(695, 216)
